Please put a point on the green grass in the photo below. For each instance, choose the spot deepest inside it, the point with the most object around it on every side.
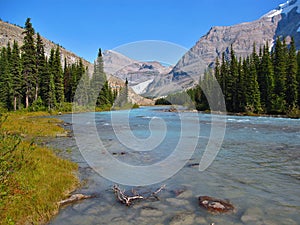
(32, 178)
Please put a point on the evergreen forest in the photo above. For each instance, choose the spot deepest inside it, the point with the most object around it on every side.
(31, 80)
(266, 82)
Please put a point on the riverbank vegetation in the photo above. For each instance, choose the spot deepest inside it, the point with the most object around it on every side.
(32, 178)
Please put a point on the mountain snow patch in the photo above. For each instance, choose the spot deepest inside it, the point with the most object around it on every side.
(284, 8)
(141, 87)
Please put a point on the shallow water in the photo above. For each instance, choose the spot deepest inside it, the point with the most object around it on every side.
(257, 169)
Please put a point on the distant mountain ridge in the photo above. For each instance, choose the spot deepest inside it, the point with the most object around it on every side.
(139, 74)
(283, 21)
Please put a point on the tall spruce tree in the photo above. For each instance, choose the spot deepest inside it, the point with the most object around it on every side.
(83, 89)
(58, 77)
(67, 82)
(279, 61)
(241, 88)
(224, 72)
(5, 80)
(231, 83)
(43, 77)
(291, 78)
(266, 80)
(298, 77)
(17, 81)
(51, 95)
(29, 63)
(253, 102)
(98, 79)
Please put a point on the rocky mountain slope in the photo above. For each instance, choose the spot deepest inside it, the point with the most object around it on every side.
(138, 74)
(117, 83)
(283, 21)
(9, 33)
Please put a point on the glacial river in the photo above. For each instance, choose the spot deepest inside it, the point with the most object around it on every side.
(257, 169)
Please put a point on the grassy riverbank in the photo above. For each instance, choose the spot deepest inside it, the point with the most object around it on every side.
(32, 178)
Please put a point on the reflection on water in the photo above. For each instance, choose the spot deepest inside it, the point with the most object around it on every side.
(257, 169)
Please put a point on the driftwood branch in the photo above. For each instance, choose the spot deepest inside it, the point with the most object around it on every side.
(74, 198)
(126, 199)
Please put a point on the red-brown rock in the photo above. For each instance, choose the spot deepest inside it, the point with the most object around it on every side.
(215, 205)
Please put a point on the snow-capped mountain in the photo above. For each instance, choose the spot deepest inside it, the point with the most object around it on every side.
(284, 21)
(284, 8)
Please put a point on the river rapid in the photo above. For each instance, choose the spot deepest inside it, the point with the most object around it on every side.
(257, 169)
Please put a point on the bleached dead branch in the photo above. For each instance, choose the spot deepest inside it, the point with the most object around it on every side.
(126, 199)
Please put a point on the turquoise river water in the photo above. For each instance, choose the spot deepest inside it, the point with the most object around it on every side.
(257, 169)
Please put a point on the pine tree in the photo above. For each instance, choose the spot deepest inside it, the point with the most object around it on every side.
(5, 80)
(291, 78)
(43, 75)
(15, 70)
(298, 77)
(206, 85)
(83, 89)
(51, 95)
(231, 83)
(241, 88)
(224, 73)
(279, 76)
(98, 79)
(29, 63)
(253, 102)
(255, 57)
(80, 83)
(266, 80)
(58, 77)
(122, 98)
(68, 82)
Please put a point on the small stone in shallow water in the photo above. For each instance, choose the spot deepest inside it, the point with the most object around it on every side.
(151, 212)
(177, 202)
(200, 220)
(185, 218)
(186, 194)
(252, 215)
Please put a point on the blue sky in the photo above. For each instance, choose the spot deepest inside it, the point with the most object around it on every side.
(83, 26)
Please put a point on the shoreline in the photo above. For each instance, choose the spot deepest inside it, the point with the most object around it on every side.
(38, 177)
(174, 108)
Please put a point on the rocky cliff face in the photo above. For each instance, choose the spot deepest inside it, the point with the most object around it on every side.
(9, 33)
(283, 21)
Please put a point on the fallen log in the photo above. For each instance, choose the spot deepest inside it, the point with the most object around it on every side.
(74, 198)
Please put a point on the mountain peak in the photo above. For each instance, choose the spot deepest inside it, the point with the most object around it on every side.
(284, 8)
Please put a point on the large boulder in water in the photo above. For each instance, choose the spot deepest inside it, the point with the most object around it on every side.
(215, 205)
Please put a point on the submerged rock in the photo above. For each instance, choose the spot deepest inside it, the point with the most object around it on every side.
(185, 194)
(151, 212)
(215, 205)
(252, 215)
(177, 202)
(183, 218)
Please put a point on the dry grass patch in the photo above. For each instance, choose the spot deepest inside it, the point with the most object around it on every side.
(32, 178)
